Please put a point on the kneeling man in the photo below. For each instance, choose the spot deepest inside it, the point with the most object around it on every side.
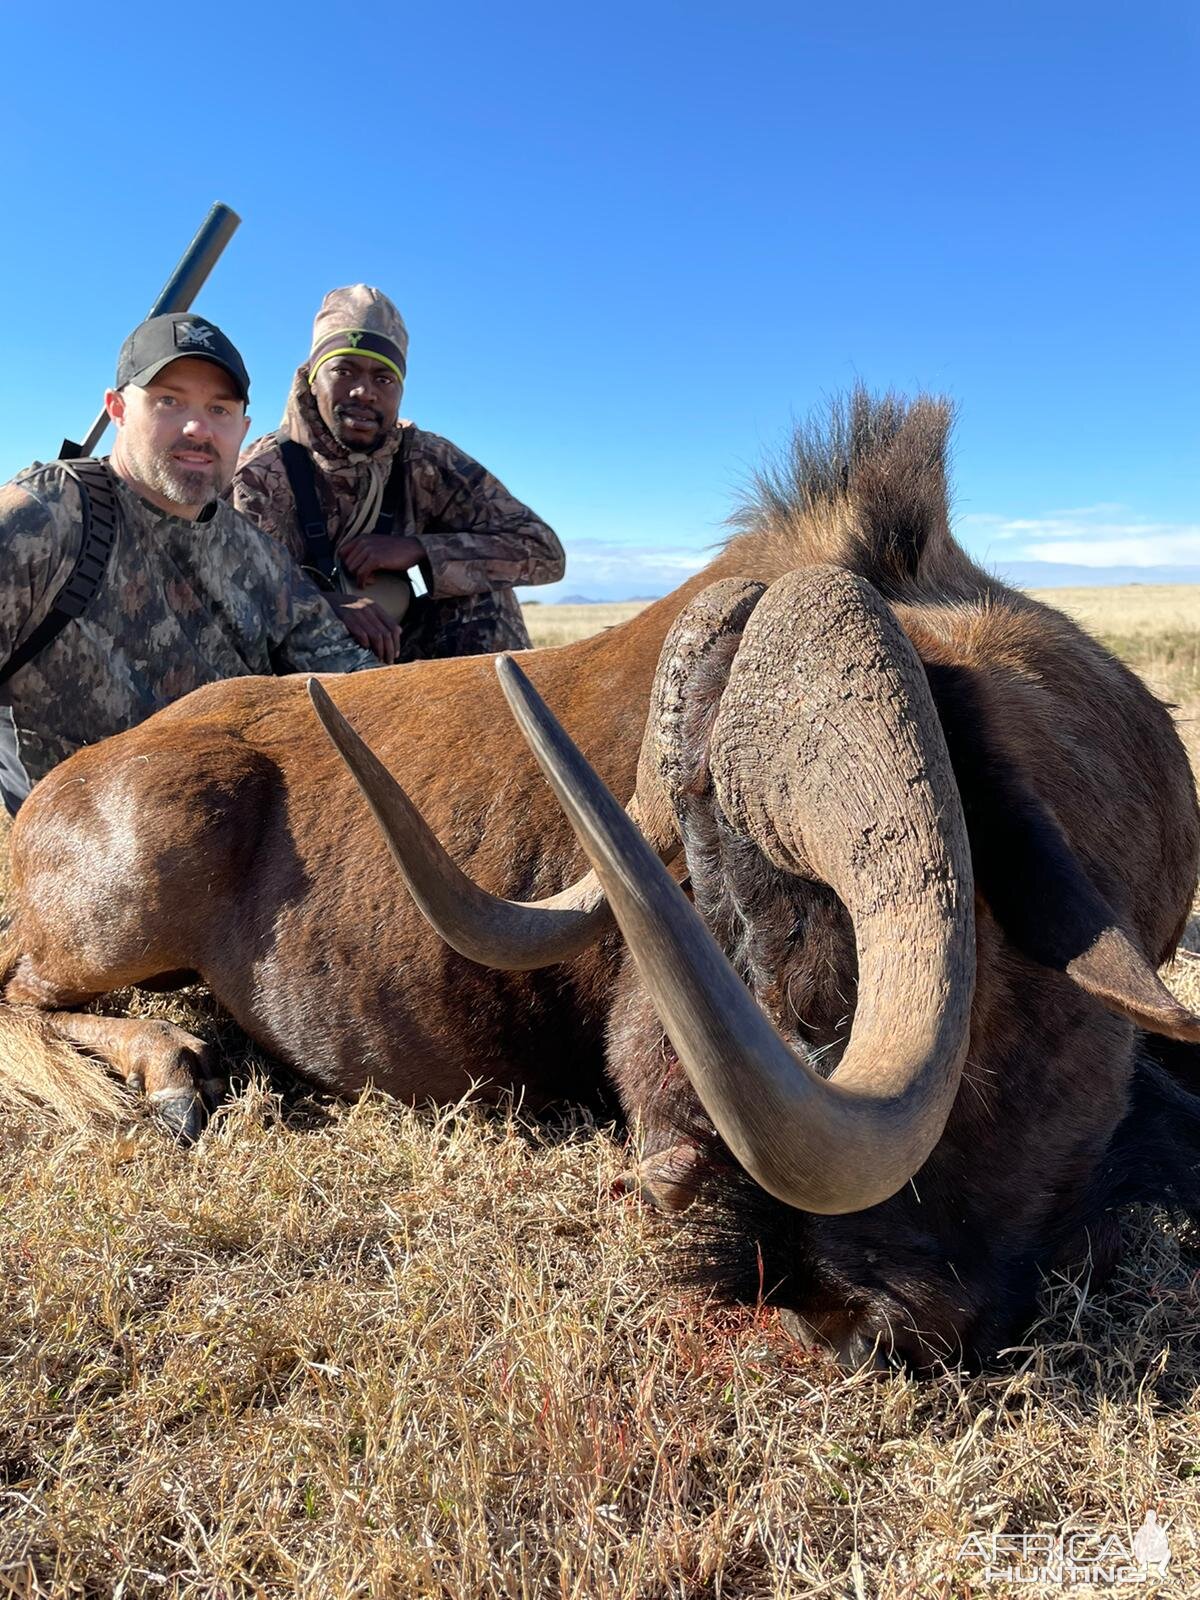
(126, 583)
(379, 510)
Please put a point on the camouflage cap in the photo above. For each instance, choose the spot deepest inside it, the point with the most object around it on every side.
(359, 320)
(158, 341)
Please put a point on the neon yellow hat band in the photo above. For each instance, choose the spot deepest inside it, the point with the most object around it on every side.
(352, 350)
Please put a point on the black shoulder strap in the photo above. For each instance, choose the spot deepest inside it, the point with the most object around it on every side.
(394, 508)
(101, 516)
(319, 558)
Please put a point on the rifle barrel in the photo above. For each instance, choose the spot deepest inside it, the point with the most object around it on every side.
(177, 294)
(197, 261)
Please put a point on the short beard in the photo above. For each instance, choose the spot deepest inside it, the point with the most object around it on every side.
(353, 443)
(185, 486)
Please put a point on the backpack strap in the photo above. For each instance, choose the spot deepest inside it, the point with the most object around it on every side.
(395, 492)
(101, 518)
(319, 560)
(320, 557)
(396, 507)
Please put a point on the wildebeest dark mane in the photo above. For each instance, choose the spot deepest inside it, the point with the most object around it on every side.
(862, 486)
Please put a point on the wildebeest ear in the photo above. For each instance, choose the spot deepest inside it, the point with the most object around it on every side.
(1033, 882)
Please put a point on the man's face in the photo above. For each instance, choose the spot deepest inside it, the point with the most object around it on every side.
(358, 399)
(178, 438)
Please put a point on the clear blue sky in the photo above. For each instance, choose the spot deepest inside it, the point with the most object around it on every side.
(632, 242)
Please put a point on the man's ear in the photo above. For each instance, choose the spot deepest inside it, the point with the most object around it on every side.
(114, 404)
(245, 426)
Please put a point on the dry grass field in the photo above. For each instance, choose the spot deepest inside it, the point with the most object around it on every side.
(1156, 629)
(359, 1350)
(560, 624)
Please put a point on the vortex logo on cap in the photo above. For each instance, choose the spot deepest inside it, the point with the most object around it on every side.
(189, 334)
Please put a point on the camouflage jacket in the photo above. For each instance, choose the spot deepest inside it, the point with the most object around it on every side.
(181, 604)
(477, 538)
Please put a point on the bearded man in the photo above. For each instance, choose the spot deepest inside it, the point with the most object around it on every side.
(127, 582)
(417, 546)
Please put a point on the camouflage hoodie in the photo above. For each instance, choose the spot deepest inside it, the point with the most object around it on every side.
(182, 604)
(478, 540)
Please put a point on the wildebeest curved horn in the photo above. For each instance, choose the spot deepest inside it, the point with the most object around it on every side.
(851, 1141)
(514, 935)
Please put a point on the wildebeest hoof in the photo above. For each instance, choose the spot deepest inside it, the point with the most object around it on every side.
(181, 1111)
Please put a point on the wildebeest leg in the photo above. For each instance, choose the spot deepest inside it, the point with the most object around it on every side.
(174, 1069)
(117, 880)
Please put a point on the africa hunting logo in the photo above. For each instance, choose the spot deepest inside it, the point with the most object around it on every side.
(190, 335)
(1086, 1557)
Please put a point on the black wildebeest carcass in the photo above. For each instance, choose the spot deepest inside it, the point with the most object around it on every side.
(942, 836)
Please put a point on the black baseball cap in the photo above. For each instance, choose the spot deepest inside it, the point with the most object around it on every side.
(158, 341)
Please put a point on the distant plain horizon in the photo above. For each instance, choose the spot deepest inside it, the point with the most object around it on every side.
(1020, 574)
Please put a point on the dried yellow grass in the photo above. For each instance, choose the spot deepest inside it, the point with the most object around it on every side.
(560, 624)
(1134, 610)
(378, 1352)
(368, 1351)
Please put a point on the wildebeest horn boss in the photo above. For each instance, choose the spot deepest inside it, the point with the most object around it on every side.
(899, 1034)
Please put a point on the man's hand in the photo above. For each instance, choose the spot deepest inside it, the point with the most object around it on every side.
(365, 554)
(368, 625)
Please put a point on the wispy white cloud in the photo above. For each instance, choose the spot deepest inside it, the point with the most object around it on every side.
(608, 570)
(1090, 536)
(1086, 536)
(1179, 548)
(1106, 508)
